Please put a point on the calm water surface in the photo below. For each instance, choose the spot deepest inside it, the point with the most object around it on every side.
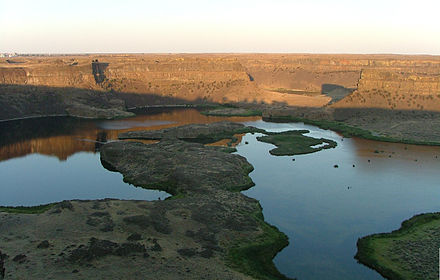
(48, 160)
(323, 210)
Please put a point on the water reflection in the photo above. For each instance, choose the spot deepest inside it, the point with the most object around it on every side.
(38, 179)
(63, 137)
(324, 210)
(31, 176)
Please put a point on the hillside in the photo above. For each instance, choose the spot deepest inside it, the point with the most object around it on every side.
(344, 81)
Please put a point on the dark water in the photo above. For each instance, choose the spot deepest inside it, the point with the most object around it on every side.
(322, 209)
(48, 160)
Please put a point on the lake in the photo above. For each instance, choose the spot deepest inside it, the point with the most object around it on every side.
(323, 209)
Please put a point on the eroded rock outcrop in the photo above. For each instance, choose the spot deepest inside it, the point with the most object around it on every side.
(28, 101)
(396, 89)
(2, 265)
(291, 79)
(207, 225)
(204, 133)
(177, 166)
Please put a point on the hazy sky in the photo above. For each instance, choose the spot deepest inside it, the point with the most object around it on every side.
(314, 26)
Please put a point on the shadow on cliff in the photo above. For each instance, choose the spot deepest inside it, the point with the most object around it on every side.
(21, 101)
(343, 114)
(335, 92)
(40, 112)
(36, 128)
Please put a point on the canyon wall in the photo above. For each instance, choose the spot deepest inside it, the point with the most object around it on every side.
(378, 81)
(401, 89)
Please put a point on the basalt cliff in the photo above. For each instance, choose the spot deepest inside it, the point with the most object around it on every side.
(118, 82)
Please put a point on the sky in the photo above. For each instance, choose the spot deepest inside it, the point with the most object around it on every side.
(220, 26)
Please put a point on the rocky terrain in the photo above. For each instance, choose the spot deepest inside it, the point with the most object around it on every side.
(206, 230)
(381, 97)
(19, 102)
(294, 142)
(119, 240)
(205, 133)
(412, 127)
(62, 137)
(396, 89)
(410, 252)
(404, 82)
(347, 88)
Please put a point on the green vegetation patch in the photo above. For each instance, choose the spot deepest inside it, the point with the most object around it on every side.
(228, 150)
(229, 134)
(254, 256)
(410, 252)
(247, 168)
(294, 142)
(233, 113)
(348, 131)
(230, 110)
(27, 210)
(293, 91)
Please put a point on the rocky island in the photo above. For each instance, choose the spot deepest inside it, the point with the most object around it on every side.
(207, 227)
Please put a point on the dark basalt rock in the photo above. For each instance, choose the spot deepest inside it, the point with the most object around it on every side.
(18, 101)
(134, 237)
(21, 258)
(207, 253)
(2, 265)
(187, 252)
(159, 221)
(93, 221)
(95, 249)
(43, 245)
(126, 249)
(101, 219)
(156, 246)
(100, 214)
(176, 166)
(203, 236)
(204, 133)
(99, 248)
(140, 220)
(65, 205)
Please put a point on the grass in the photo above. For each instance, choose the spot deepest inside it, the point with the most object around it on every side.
(403, 253)
(27, 210)
(228, 150)
(227, 110)
(212, 138)
(177, 196)
(247, 168)
(293, 142)
(247, 113)
(292, 91)
(254, 256)
(349, 131)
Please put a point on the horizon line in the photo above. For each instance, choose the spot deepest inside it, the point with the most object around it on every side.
(213, 53)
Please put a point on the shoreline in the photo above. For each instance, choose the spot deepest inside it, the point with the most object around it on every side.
(348, 130)
(228, 228)
(387, 253)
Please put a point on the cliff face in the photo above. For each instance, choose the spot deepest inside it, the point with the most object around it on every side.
(401, 89)
(187, 78)
(303, 72)
(17, 101)
(384, 81)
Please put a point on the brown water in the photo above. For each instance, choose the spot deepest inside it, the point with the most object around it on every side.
(63, 137)
(322, 209)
